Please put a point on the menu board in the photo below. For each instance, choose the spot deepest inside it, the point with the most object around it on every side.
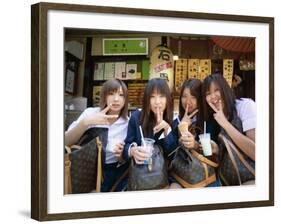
(204, 68)
(181, 70)
(193, 69)
(228, 70)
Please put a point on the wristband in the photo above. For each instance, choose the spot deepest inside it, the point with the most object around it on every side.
(130, 146)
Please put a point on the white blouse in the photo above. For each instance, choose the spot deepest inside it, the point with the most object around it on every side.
(117, 132)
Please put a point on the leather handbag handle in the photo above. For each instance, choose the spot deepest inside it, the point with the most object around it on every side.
(204, 159)
(241, 157)
(231, 156)
(99, 165)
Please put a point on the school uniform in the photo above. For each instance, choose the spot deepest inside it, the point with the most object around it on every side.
(168, 143)
(117, 131)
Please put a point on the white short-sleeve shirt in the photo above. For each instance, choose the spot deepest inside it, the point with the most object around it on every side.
(246, 110)
(117, 132)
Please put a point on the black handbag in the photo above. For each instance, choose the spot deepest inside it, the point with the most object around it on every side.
(235, 168)
(191, 169)
(149, 176)
(83, 163)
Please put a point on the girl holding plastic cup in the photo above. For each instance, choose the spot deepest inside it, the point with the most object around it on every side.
(153, 121)
(220, 104)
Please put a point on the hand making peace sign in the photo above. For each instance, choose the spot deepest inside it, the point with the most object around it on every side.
(188, 118)
(219, 114)
(101, 118)
(160, 123)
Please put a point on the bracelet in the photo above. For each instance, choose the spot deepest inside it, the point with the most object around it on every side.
(130, 146)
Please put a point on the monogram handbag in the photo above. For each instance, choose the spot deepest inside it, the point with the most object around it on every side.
(235, 167)
(191, 169)
(83, 162)
(149, 176)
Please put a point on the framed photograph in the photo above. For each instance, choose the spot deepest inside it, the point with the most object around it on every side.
(49, 22)
(71, 72)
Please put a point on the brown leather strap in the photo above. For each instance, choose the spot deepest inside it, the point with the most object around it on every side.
(205, 169)
(185, 184)
(223, 179)
(232, 159)
(76, 147)
(241, 157)
(99, 165)
(67, 175)
(68, 149)
(119, 180)
(204, 159)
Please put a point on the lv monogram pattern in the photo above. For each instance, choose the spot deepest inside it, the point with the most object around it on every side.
(140, 178)
(189, 168)
(83, 168)
(84, 161)
(226, 168)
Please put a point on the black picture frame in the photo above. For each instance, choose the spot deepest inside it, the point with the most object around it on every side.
(39, 108)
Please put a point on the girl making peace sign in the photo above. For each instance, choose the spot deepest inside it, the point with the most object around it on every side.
(190, 111)
(112, 114)
(155, 119)
(221, 105)
(237, 121)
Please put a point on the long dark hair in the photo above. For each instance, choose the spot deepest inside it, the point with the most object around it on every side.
(147, 118)
(113, 85)
(226, 92)
(195, 87)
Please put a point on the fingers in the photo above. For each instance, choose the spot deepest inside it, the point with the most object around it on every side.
(106, 109)
(186, 110)
(220, 105)
(158, 115)
(162, 125)
(193, 113)
(161, 116)
(188, 140)
(111, 116)
(118, 150)
(213, 106)
(139, 155)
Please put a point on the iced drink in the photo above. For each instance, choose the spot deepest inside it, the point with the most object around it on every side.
(205, 141)
(147, 147)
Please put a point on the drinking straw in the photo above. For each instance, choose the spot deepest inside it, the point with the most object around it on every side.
(204, 127)
(142, 138)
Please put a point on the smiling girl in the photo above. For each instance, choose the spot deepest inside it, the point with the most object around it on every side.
(221, 104)
(112, 114)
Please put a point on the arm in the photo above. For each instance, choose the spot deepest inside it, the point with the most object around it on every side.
(170, 142)
(245, 142)
(74, 134)
(131, 135)
(90, 117)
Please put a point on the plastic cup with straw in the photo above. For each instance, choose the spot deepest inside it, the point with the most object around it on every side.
(205, 140)
(142, 138)
(147, 143)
